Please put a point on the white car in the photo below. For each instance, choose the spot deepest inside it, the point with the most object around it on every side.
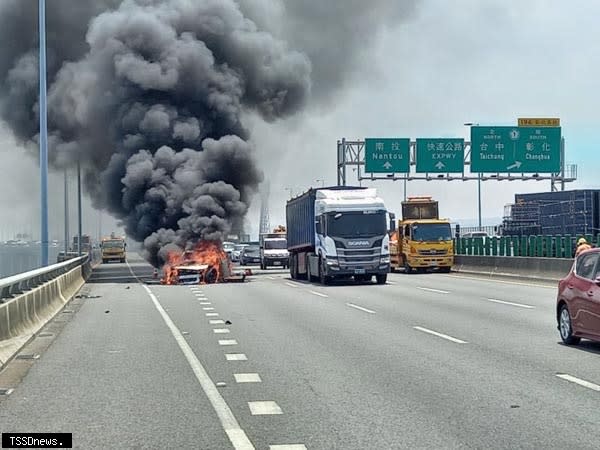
(237, 250)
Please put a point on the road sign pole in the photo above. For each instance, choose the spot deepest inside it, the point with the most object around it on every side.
(562, 163)
(479, 200)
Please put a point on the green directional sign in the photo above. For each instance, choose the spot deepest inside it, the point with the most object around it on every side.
(387, 155)
(515, 149)
(440, 155)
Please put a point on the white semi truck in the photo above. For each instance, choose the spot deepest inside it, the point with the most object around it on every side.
(338, 232)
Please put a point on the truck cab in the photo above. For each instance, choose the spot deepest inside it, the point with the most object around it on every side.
(421, 239)
(113, 248)
(273, 249)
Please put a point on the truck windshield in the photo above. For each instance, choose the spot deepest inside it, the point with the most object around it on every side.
(276, 244)
(432, 232)
(354, 224)
(113, 244)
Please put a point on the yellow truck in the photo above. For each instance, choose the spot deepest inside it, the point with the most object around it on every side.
(113, 248)
(421, 239)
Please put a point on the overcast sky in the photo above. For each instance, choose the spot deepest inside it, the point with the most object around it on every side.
(428, 69)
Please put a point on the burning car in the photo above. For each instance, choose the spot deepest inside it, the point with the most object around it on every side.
(207, 263)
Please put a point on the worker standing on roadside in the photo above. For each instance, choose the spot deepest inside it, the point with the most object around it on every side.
(582, 245)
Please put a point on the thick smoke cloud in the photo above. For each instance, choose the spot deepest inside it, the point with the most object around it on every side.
(336, 35)
(149, 96)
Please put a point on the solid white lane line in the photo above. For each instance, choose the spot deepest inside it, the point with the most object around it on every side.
(236, 434)
(288, 447)
(216, 322)
(213, 314)
(437, 291)
(236, 357)
(208, 308)
(264, 408)
(247, 378)
(221, 330)
(391, 282)
(291, 284)
(319, 294)
(520, 305)
(579, 381)
(352, 305)
(443, 336)
(228, 342)
(271, 278)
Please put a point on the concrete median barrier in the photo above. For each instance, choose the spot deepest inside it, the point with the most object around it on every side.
(541, 269)
(23, 316)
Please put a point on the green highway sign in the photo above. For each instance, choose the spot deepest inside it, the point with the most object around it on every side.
(387, 155)
(515, 149)
(440, 155)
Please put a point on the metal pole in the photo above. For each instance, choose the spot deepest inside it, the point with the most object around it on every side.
(66, 213)
(43, 134)
(405, 189)
(562, 163)
(479, 199)
(343, 162)
(79, 208)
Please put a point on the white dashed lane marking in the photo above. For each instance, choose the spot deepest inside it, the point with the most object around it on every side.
(360, 308)
(236, 357)
(579, 381)
(287, 447)
(212, 314)
(247, 378)
(441, 335)
(437, 291)
(264, 408)
(291, 284)
(519, 305)
(228, 342)
(216, 322)
(208, 308)
(221, 330)
(319, 294)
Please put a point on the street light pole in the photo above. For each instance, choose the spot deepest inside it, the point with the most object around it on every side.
(79, 224)
(66, 213)
(43, 134)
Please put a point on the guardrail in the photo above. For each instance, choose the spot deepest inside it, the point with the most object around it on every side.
(17, 284)
(530, 246)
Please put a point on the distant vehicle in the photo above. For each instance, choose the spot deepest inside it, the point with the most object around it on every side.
(250, 255)
(273, 249)
(113, 248)
(421, 239)
(578, 300)
(338, 232)
(474, 234)
(228, 247)
(86, 244)
(65, 257)
(237, 250)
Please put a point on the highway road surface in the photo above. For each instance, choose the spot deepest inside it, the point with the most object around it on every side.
(428, 361)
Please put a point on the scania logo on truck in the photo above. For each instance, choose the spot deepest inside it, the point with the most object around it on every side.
(358, 243)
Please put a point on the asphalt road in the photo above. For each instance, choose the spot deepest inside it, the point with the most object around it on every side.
(426, 361)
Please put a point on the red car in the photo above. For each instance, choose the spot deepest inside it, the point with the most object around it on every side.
(578, 301)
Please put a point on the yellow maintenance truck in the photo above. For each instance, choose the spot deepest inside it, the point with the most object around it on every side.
(113, 248)
(421, 240)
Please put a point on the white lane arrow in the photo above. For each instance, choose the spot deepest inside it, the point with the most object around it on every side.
(387, 165)
(440, 165)
(516, 165)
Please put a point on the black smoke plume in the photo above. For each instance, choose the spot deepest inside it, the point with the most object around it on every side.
(150, 96)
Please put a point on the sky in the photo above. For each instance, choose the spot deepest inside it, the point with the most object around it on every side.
(395, 69)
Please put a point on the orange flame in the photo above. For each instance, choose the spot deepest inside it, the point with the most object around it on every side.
(206, 252)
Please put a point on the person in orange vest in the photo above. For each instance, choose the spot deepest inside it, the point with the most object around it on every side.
(582, 245)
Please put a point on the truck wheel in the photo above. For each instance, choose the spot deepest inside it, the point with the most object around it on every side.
(407, 268)
(381, 278)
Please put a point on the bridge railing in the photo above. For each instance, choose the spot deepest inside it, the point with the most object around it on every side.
(17, 284)
(545, 246)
